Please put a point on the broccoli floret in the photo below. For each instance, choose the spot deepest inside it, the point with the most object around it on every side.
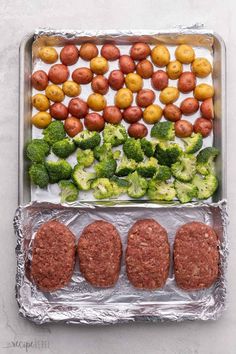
(125, 167)
(133, 150)
(105, 168)
(193, 143)
(58, 170)
(205, 160)
(69, 193)
(138, 185)
(63, 148)
(102, 152)
(119, 186)
(85, 157)
(147, 168)
(114, 134)
(185, 191)
(102, 188)
(167, 153)
(82, 178)
(116, 154)
(163, 131)
(148, 147)
(185, 168)
(54, 132)
(87, 140)
(163, 173)
(160, 190)
(37, 150)
(206, 185)
(39, 175)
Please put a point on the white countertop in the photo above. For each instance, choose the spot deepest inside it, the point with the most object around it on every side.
(18, 18)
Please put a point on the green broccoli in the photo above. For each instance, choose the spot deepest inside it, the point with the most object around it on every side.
(102, 152)
(119, 186)
(163, 131)
(54, 132)
(37, 150)
(87, 139)
(116, 154)
(85, 157)
(185, 191)
(160, 190)
(167, 153)
(193, 143)
(205, 160)
(185, 167)
(82, 178)
(138, 185)
(125, 167)
(58, 170)
(114, 134)
(163, 173)
(102, 188)
(133, 150)
(105, 168)
(147, 168)
(148, 147)
(39, 175)
(63, 148)
(206, 185)
(69, 193)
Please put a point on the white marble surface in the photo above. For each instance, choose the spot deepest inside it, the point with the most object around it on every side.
(20, 17)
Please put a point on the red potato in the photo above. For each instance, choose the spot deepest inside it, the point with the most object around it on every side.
(73, 126)
(187, 82)
(110, 52)
(88, 51)
(100, 84)
(116, 80)
(140, 51)
(58, 73)
(59, 111)
(94, 122)
(172, 112)
(39, 80)
(189, 106)
(183, 128)
(160, 80)
(145, 97)
(132, 114)
(112, 114)
(78, 108)
(69, 54)
(82, 76)
(137, 130)
(126, 64)
(145, 69)
(203, 126)
(207, 109)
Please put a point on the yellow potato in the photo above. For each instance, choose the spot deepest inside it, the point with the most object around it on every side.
(185, 54)
(160, 55)
(152, 114)
(203, 91)
(96, 102)
(71, 89)
(123, 98)
(201, 67)
(99, 65)
(54, 93)
(41, 120)
(169, 95)
(40, 102)
(48, 55)
(134, 82)
(174, 69)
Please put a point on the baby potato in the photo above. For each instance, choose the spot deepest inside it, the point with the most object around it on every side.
(207, 109)
(189, 106)
(40, 102)
(96, 102)
(201, 67)
(132, 114)
(99, 65)
(94, 122)
(137, 130)
(71, 88)
(112, 114)
(82, 76)
(126, 64)
(48, 55)
(73, 126)
(172, 112)
(152, 114)
(203, 126)
(59, 111)
(88, 51)
(116, 80)
(39, 80)
(54, 93)
(110, 52)
(140, 51)
(145, 97)
(78, 108)
(41, 120)
(174, 69)
(123, 98)
(169, 95)
(134, 82)
(58, 73)
(203, 91)
(69, 54)
(186, 82)
(183, 128)
(145, 69)
(159, 80)
(160, 55)
(100, 84)
(185, 54)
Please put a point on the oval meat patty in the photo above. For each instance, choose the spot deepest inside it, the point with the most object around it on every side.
(196, 256)
(100, 251)
(53, 256)
(147, 255)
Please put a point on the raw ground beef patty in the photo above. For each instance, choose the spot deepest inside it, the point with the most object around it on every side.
(147, 255)
(196, 256)
(53, 256)
(100, 251)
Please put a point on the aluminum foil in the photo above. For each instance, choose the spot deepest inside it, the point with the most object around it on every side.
(79, 302)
